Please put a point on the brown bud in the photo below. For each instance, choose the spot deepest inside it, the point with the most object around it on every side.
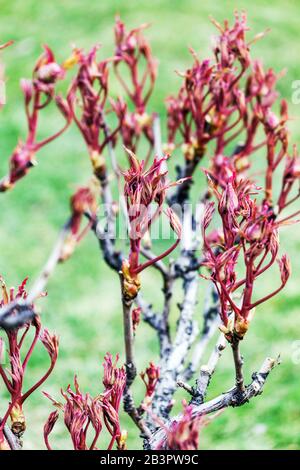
(18, 424)
(98, 163)
(131, 283)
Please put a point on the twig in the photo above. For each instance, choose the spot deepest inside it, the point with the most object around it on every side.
(162, 325)
(128, 337)
(12, 440)
(182, 192)
(238, 363)
(168, 294)
(207, 371)
(211, 308)
(155, 320)
(149, 316)
(129, 406)
(131, 410)
(157, 137)
(106, 234)
(111, 256)
(16, 315)
(41, 282)
(115, 167)
(172, 363)
(20, 311)
(210, 324)
(186, 387)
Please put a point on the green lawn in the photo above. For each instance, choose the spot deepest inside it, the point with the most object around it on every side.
(83, 305)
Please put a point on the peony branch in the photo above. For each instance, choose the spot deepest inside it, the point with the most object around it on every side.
(238, 363)
(231, 398)
(19, 311)
(207, 371)
(210, 325)
(13, 441)
(172, 362)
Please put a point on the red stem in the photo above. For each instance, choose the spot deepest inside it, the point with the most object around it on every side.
(5, 380)
(38, 384)
(30, 351)
(97, 434)
(141, 267)
(46, 440)
(267, 297)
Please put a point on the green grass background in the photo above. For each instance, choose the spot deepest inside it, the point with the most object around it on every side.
(83, 305)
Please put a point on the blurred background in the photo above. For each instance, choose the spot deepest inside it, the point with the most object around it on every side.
(83, 304)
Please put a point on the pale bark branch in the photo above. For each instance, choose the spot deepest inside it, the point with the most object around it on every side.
(231, 398)
(12, 440)
(20, 311)
(157, 136)
(172, 362)
(54, 258)
(210, 325)
(207, 371)
(238, 364)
